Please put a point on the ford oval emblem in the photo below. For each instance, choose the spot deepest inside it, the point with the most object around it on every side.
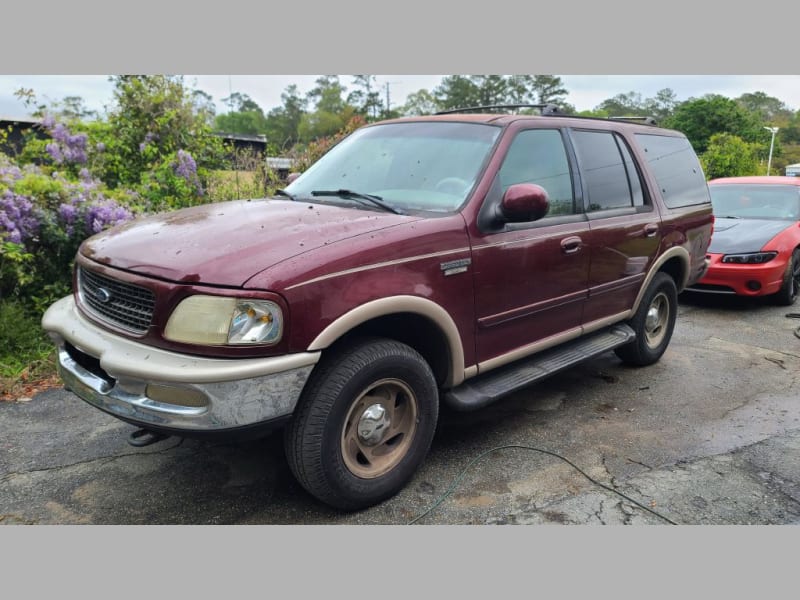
(103, 295)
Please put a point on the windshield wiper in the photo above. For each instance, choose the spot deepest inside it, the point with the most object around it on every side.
(729, 217)
(285, 193)
(372, 198)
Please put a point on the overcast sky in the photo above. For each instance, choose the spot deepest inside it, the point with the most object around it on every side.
(585, 91)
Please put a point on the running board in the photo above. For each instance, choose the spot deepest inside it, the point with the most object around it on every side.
(481, 390)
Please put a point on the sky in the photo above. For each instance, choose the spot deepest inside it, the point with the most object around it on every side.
(585, 91)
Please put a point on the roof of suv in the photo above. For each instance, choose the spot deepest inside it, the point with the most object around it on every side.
(505, 119)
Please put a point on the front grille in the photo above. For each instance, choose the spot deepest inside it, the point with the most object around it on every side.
(122, 304)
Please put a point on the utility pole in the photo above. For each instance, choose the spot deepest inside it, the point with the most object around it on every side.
(386, 85)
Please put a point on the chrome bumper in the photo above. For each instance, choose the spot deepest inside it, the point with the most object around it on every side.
(223, 393)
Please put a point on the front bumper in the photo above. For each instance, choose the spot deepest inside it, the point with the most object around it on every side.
(168, 391)
(742, 279)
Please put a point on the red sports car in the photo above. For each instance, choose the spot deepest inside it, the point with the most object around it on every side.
(755, 247)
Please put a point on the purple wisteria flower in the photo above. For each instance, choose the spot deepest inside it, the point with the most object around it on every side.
(54, 150)
(106, 214)
(18, 219)
(9, 174)
(82, 211)
(186, 167)
(66, 147)
(67, 214)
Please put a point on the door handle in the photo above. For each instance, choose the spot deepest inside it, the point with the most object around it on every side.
(650, 230)
(571, 244)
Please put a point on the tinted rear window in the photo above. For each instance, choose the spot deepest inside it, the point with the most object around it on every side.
(610, 177)
(676, 168)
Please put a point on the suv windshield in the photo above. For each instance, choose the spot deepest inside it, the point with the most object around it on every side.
(410, 166)
(756, 201)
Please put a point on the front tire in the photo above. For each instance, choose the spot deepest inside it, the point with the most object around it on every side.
(653, 323)
(364, 423)
(790, 289)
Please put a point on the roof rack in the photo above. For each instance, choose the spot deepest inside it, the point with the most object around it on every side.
(645, 120)
(545, 109)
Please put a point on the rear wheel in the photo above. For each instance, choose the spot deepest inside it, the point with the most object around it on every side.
(364, 423)
(790, 289)
(653, 323)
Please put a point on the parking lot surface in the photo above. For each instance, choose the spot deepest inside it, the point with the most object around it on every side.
(708, 435)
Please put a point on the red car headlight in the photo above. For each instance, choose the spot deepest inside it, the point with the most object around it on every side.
(751, 258)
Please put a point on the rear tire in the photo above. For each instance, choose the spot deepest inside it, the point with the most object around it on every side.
(790, 289)
(653, 323)
(364, 423)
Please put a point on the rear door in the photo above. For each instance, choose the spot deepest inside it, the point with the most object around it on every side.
(624, 226)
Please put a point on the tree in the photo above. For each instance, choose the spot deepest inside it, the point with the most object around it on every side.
(204, 107)
(768, 108)
(332, 112)
(366, 98)
(248, 122)
(154, 132)
(457, 91)
(701, 118)
(537, 89)
(421, 102)
(461, 91)
(661, 105)
(631, 104)
(730, 156)
(69, 108)
(245, 116)
(327, 95)
(624, 105)
(239, 102)
(322, 123)
(283, 122)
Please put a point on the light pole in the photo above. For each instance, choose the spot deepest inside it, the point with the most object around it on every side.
(774, 130)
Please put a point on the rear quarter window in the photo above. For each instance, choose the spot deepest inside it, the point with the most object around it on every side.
(676, 169)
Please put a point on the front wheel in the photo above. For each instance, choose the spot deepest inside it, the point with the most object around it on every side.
(790, 289)
(364, 423)
(653, 323)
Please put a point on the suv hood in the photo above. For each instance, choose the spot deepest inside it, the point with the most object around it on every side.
(228, 243)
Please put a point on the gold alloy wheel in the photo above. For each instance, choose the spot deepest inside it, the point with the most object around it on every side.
(655, 324)
(379, 428)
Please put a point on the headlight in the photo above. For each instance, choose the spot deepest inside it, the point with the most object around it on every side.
(214, 320)
(753, 258)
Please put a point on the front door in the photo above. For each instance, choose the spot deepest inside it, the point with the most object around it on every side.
(531, 278)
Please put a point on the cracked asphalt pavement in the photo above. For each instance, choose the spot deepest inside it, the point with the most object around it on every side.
(709, 435)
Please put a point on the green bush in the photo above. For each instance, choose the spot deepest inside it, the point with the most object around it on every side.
(24, 347)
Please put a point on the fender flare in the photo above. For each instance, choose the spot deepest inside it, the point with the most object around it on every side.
(676, 251)
(391, 306)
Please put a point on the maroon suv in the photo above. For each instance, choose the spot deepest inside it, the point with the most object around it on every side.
(453, 258)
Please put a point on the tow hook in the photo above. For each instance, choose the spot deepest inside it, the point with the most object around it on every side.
(145, 437)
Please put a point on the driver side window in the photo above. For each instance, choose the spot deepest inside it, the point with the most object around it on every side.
(538, 156)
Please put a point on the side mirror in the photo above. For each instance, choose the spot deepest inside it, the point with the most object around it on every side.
(523, 202)
(291, 177)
